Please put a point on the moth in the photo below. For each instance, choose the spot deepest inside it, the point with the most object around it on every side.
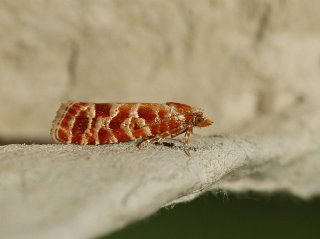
(107, 123)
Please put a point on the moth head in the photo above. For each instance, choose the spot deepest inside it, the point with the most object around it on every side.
(200, 120)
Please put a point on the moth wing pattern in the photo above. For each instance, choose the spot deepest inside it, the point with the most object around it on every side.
(105, 123)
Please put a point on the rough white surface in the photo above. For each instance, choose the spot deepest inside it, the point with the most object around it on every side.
(69, 191)
(288, 153)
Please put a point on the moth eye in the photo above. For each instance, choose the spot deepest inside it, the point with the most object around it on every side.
(198, 120)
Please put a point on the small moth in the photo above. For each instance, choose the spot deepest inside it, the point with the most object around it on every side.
(107, 123)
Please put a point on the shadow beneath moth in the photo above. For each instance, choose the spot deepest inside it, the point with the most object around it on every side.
(108, 123)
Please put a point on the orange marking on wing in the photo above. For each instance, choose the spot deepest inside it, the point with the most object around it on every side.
(174, 126)
(104, 136)
(124, 112)
(181, 108)
(146, 112)
(139, 133)
(163, 114)
(62, 136)
(72, 111)
(155, 129)
(102, 109)
(121, 135)
(79, 127)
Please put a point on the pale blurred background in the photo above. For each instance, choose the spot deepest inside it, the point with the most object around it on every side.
(238, 60)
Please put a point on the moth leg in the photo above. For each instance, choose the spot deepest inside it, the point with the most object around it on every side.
(180, 132)
(186, 143)
(145, 142)
(152, 140)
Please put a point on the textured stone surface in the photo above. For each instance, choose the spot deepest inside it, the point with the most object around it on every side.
(70, 191)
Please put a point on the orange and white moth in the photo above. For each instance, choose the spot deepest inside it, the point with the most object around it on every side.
(108, 123)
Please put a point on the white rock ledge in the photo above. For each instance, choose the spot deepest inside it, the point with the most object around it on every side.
(71, 191)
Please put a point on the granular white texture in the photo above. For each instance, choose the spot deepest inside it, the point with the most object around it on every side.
(70, 191)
